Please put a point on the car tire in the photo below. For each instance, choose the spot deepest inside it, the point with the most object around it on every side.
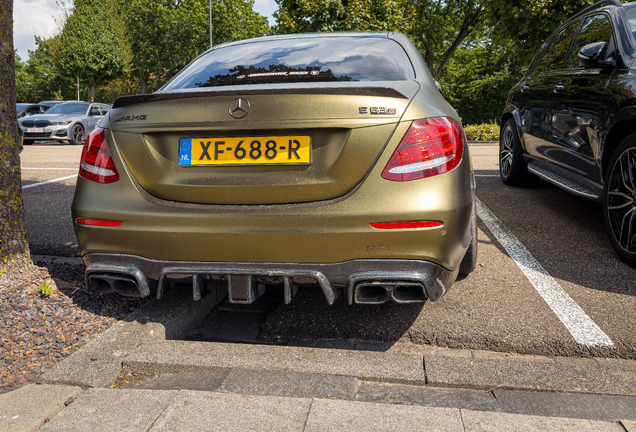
(619, 200)
(512, 168)
(77, 135)
(470, 259)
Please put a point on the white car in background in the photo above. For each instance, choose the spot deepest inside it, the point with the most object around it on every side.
(67, 121)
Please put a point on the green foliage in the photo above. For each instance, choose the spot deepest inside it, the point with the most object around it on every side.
(45, 290)
(39, 79)
(306, 16)
(478, 78)
(528, 23)
(440, 27)
(92, 44)
(482, 132)
(166, 35)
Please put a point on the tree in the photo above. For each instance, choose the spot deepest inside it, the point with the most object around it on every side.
(14, 247)
(441, 26)
(166, 35)
(40, 78)
(92, 44)
(438, 28)
(477, 79)
(528, 23)
(308, 16)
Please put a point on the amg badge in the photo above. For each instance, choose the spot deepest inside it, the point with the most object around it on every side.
(377, 110)
(137, 117)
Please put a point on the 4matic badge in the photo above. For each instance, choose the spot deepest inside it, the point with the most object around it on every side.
(377, 110)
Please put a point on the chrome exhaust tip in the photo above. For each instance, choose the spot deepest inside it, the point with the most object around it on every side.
(379, 292)
(109, 283)
(126, 281)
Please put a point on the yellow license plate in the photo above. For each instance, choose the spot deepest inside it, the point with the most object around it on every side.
(268, 150)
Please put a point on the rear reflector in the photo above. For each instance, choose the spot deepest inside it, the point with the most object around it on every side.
(406, 225)
(430, 147)
(96, 163)
(99, 222)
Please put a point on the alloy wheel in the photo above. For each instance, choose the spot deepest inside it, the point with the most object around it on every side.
(78, 134)
(621, 200)
(505, 157)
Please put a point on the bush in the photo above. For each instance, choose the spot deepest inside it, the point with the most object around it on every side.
(482, 132)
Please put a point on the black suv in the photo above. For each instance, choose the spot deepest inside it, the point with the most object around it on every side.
(571, 120)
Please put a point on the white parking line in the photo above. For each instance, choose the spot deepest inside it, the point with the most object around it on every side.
(54, 169)
(579, 324)
(49, 181)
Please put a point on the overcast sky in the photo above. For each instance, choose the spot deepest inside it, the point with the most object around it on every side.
(37, 18)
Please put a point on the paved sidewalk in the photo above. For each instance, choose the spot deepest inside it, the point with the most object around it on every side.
(42, 407)
(185, 385)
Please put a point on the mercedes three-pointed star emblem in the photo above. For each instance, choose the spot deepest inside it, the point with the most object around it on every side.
(239, 108)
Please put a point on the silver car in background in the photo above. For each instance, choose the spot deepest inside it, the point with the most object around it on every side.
(67, 121)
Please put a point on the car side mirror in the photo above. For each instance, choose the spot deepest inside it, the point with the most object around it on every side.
(593, 55)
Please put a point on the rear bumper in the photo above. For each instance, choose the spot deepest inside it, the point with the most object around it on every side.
(361, 281)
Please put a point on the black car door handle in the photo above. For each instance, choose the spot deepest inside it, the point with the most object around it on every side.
(558, 87)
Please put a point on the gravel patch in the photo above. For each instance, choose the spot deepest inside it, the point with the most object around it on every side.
(47, 318)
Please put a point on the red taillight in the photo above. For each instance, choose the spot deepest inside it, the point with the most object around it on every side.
(430, 147)
(406, 225)
(99, 222)
(96, 163)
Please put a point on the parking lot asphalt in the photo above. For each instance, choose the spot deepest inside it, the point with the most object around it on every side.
(567, 293)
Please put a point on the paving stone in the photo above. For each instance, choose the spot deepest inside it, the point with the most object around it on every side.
(630, 426)
(227, 412)
(426, 396)
(377, 366)
(112, 410)
(616, 363)
(479, 421)
(591, 407)
(27, 408)
(342, 416)
(208, 380)
(492, 372)
(513, 357)
(291, 384)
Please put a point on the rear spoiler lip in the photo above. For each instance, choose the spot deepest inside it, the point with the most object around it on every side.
(123, 101)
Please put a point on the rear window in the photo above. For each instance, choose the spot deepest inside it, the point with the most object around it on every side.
(298, 60)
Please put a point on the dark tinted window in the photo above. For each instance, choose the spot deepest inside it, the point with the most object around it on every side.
(560, 53)
(68, 108)
(596, 28)
(543, 61)
(631, 16)
(298, 60)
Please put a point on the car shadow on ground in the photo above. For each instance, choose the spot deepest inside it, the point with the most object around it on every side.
(565, 233)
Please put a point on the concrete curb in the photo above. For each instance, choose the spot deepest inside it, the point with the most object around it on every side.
(145, 342)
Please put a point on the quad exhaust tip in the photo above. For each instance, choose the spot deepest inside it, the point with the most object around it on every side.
(109, 283)
(379, 292)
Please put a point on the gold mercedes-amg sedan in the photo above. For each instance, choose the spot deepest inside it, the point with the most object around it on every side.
(313, 159)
